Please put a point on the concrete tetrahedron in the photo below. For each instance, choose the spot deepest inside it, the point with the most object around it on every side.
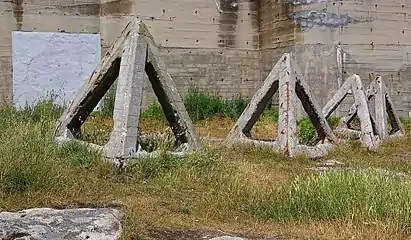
(285, 77)
(372, 129)
(132, 55)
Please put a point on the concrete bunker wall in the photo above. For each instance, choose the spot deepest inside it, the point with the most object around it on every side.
(229, 46)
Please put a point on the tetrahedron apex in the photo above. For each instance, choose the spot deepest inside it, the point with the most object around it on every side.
(288, 80)
(132, 56)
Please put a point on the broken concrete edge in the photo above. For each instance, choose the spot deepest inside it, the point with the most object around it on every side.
(116, 213)
(346, 133)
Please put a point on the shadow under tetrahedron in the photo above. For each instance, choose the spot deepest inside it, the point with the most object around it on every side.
(287, 79)
(132, 55)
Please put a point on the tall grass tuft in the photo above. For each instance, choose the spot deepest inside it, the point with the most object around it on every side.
(306, 130)
(355, 195)
(201, 105)
(108, 101)
(30, 162)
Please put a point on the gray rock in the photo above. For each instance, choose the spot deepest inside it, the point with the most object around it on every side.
(325, 169)
(52, 224)
(331, 163)
(227, 238)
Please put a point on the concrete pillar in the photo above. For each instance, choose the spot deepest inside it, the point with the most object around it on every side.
(123, 139)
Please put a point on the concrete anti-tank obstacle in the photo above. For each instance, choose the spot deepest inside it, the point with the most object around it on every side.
(132, 55)
(373, 130)
(287, 79)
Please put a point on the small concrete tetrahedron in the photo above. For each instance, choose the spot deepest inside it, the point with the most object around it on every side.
(285, 77)
(132, 55)
(373, 130)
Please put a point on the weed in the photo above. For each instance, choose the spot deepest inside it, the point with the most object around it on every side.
(158, 141)
(307, 132)
(108, 101)
(154, 110)
(146, 168)
(78, 154)
(354, 195)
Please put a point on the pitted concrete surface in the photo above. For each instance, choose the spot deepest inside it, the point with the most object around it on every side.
(51, 224)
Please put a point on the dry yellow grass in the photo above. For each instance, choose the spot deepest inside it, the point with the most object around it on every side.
(210, 190)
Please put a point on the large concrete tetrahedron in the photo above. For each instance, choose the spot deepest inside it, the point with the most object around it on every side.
(132, 55)
(287, 79)
(372, 129)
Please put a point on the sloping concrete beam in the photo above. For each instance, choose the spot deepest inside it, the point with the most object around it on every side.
(310, 105)
(133, 55)
(170, 100)
(93, 89)
(259, 101)
(123, 141)
(287, 78)
(287, 123)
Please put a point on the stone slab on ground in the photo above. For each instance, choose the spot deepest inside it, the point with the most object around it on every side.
(334, 166)
(227, 238)
(52, 224)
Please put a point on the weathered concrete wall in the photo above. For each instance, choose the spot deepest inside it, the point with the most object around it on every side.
(209, 44)
(6, 26)
(373, 34)
(214, 44)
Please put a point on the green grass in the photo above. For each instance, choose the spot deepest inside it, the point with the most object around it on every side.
(200, 105)
(216, 187)
(356, 195)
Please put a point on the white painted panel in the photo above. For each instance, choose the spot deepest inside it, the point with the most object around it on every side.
(51, 64)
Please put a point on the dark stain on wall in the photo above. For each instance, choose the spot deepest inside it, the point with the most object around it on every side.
(255, 20)
(18, 13)
(277, 29)
(227, 23)
(117, 7)
(310, 18)
(91, 9)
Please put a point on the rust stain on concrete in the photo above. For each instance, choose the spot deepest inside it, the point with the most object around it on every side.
(18, 13)
(117, 7)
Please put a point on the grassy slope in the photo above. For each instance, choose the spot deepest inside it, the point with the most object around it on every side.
(240, 190)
